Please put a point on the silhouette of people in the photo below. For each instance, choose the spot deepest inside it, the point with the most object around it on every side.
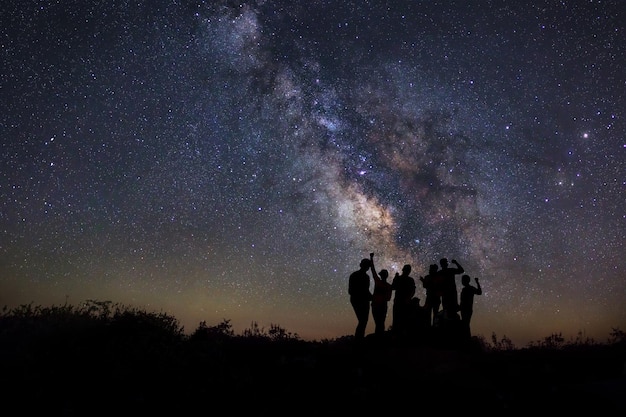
(467, 302)
(449, 295)
(360, 297)
(380, 298)
(404, 288)
(433, 294)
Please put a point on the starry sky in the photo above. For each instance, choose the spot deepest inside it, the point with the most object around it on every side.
(235, 160)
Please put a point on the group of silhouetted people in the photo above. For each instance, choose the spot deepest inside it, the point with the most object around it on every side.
(411, 321)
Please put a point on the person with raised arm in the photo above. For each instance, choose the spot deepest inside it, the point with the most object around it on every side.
(449, 294)
(380, 298)
(467, 302)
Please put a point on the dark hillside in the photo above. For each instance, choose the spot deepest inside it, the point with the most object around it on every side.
(102, 359)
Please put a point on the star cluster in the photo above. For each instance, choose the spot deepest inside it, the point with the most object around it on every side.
(235, 160)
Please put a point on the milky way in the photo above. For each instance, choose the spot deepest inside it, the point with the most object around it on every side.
(236, 160)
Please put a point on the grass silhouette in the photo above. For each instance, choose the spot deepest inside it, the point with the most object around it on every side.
(101, 358)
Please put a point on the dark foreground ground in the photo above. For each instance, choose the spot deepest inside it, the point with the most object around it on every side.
(128, 367)
(294, 378)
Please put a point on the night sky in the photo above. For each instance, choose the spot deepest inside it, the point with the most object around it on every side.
(236, 160)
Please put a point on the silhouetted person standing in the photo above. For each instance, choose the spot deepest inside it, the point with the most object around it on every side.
(360, 296)
(449, 294)
(404, 287)
(419, 321)
(467, 302)
(433, 295)
(380, 298)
